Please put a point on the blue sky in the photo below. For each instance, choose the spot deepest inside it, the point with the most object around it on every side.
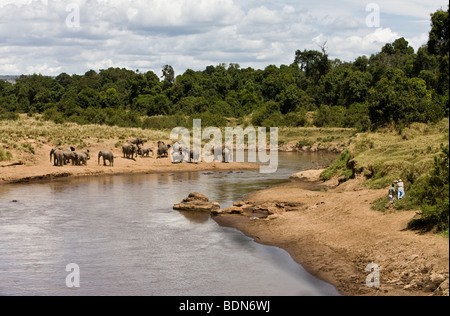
(42, 36)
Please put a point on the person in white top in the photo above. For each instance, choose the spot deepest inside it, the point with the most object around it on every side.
(400, 189)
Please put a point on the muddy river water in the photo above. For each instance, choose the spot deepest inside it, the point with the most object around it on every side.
(126, 239)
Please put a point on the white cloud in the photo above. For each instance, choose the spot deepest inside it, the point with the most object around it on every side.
(195, 33)
(43, 69)
(353, 46)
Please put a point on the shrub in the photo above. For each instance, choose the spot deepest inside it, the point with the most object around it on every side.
(330, 116)
(164, 122)
(29, 148)
(432, 193)
(52, 114)
(295, 119)
(5, 155)
(304, 143)
(208, 120)
(342, 167)
(8, 116)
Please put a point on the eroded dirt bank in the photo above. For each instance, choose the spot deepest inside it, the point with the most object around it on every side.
(335, 235)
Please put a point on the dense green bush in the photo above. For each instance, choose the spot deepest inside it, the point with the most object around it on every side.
(164, 122)
(208, 120)
(342, 167)
(4, 116)
(431, 192)
(5, 155)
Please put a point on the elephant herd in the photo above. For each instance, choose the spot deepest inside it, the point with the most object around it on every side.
(136, 148)
(64, 156)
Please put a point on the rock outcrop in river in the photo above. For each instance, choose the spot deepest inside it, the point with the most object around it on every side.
(197, 202)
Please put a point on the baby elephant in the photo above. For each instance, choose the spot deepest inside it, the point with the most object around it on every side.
(145, 152)
(107, 155)
(82, 157)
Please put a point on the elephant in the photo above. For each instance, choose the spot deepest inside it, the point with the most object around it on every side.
(129, 150)
(70, 156)
(137, 141)
(58, 157)
(82, 158)
(106, 155)
(226, 154)
(177, 153)
(52, 152)
(163, 150)
(181, 153)
(146, 152)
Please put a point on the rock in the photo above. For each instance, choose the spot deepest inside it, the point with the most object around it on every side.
(234, 210)
(197, 202)
(196, 197)
(309, 175)
(272, 217)
(443, 289)
(437, 279)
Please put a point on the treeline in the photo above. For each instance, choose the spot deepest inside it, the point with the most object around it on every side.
(394, 86)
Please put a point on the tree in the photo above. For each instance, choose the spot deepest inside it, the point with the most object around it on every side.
(110, 99)
(438, 43)
(432, 193)
(315, 64)
(402, 100)
(396, 55)
(361, 63)
(153, 105)
(168, 75)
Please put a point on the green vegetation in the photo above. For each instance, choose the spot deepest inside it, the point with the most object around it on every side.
(419, 155)
(431, 192)
(342, 167)
(17, 134)
(5, 155)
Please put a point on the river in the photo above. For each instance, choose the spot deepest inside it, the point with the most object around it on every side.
(126, 239)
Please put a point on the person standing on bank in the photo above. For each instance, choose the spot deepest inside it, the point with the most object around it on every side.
(400, 189)
(391, 195)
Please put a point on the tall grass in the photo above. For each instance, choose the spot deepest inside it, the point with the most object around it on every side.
(15, 133)
(5, 155)
(387, 155)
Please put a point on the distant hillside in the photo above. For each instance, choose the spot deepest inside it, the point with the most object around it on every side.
(10, 79)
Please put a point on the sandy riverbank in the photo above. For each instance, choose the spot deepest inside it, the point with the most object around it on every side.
(38, 167)
(335, 235)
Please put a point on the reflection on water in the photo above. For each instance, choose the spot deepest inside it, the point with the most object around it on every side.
(127, 240)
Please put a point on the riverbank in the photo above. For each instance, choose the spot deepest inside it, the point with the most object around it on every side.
(332, 232)
(25, 145)
(37, 166)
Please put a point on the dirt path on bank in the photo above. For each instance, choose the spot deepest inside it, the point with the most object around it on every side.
(33, 167)
(335, 235)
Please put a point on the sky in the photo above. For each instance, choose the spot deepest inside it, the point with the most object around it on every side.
(50, 37)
